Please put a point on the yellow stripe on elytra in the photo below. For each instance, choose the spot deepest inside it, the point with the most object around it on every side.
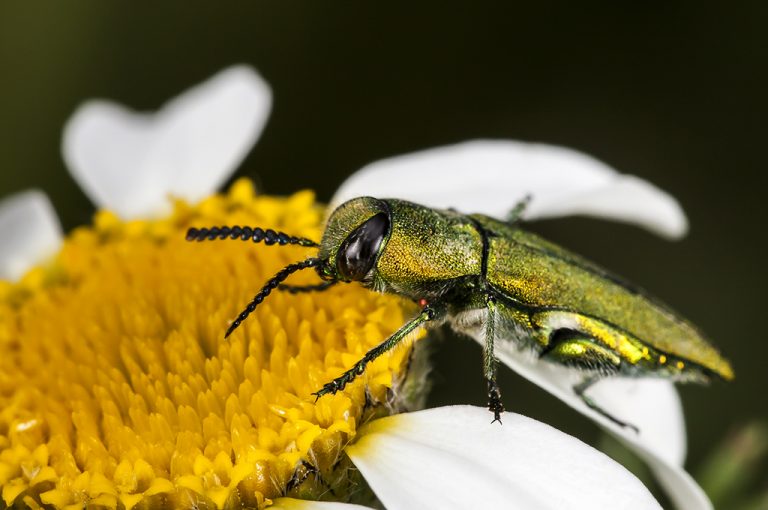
(629, 349)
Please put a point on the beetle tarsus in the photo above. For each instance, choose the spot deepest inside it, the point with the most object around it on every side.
(494, 401)
(341, 382)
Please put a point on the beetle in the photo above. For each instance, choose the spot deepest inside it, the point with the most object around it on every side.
(475, 272)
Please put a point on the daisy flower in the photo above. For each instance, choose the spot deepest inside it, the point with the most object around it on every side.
(118, 390)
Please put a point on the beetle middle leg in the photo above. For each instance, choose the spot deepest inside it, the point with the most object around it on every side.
(489, 361)
(516, 213)
(428, 313)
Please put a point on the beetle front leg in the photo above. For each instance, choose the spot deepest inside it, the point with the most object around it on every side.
(489, 361)
(428, 313)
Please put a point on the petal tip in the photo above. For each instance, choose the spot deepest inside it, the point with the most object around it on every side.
(30, 231)
(132, 162)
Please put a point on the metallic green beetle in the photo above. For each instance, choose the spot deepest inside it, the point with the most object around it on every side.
(479, 273)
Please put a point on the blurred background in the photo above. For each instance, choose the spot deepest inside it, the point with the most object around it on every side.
(674, 92)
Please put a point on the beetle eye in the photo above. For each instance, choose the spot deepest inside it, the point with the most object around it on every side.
(358, 251)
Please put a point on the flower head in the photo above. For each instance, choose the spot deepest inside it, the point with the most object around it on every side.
(120, 387)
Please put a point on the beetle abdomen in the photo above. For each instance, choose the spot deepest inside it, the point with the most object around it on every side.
(541, 277)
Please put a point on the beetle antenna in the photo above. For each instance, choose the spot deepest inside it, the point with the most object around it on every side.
(269, 287)
(255, 234)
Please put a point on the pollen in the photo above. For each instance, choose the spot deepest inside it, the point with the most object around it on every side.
(118, 389)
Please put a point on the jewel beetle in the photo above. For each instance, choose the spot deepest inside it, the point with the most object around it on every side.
(478, 273)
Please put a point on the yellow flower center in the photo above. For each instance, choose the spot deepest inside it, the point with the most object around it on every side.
(118, 389)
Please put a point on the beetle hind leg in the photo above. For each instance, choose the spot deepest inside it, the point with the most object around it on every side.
(573, 348)
(580, 390)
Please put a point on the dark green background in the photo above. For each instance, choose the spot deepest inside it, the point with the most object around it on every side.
(673, 92)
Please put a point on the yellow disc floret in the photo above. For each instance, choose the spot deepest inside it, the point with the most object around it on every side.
(118, 389)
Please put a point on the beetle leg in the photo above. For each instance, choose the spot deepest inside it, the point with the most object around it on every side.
(515, 215)
(572, 348)
(297, 289)
(580, 390)
(428, 313)
(489, 361)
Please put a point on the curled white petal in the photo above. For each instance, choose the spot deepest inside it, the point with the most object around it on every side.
(131, 162)
(453, 457)
(651, 405)
(303, 504)
(682, 489)
(30, 231)
(491, 176)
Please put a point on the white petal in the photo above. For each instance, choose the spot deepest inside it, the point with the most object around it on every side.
(30, 231)
(652, 405)
(303, 504)
(491, 176)
(131, 162)
(453, 457)
(682, 489)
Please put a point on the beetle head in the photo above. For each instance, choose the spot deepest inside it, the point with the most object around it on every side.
(353, 240)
